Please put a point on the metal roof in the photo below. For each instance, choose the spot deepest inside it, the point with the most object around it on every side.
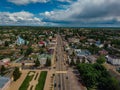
(3, 81)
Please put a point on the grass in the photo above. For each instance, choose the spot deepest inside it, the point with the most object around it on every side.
(41, 81)
(25, 83)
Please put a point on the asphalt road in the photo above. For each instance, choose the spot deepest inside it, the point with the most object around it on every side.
(68, 80)
(61, 79)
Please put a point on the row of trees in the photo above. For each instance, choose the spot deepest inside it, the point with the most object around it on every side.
(97, 77)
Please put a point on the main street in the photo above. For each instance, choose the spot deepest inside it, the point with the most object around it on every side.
(64, 79)
(61, 78)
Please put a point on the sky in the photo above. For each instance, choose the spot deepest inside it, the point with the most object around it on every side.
(70, 13)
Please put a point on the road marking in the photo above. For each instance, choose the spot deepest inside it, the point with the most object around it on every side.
(61, 72)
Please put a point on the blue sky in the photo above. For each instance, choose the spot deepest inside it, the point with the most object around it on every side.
(76, 13)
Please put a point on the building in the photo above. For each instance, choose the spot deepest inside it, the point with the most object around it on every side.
(91, 59)
(42, 43)
(83, 53)
(4, 83)
(20, 41)
(115, 60)
(43, 57)
(5, 61)
(103, 52)
(98, 44)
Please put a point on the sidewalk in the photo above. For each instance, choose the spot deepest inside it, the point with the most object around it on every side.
(15, 85)
(34, 82)
(48, 80)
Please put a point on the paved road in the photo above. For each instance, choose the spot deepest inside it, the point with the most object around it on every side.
(61, 79)
(65, 79)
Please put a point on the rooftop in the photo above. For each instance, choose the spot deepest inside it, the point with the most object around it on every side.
(3, 81)
(80, 52)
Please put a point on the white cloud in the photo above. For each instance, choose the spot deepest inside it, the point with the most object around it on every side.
(65, 0)
(86, 11)
(24, 2)
(19, 18)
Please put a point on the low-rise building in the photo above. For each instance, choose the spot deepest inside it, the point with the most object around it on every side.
(91, 59)
(80, 52)
(99, 44)
(115, 60)
(103, 52)
(4, 83)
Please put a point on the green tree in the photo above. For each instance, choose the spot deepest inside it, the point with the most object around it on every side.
(6, 43)
(16, 73)
(77, 61)
(101, 60)
(72, 63)
(2, 69)
(48, 62)
(37, 63)
(28, 51)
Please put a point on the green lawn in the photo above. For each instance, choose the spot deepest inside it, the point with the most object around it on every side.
(25, 83)
(41, 81)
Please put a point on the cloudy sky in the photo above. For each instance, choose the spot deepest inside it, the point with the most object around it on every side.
(75, 13)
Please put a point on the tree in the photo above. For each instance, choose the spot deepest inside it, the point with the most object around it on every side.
(16, 73)
(48, 62)
(101, 60)
(78, 61)
(6, 43)
(37, 63)
(72, 63)
(96, 76)
(2, 69)
(28, 51)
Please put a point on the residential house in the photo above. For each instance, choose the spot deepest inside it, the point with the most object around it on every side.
(99, 44)
(91, 58)
(103, 52)
(114, 60)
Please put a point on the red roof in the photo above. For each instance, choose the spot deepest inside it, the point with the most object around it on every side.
(41, 42)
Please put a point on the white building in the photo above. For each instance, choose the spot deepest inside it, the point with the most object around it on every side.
(113, 60)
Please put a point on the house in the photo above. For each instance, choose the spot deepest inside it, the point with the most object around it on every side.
(91, 41)
(103, 52)
(2, 42)
(5, 61)
(42, 43)
(20, 41)
(114, 60)
(83, 53)
(4, 83)
(73, 40)
(98, 44)
(91, 58)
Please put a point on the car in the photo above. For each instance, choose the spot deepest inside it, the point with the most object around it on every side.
(54, 67)
(54, 84)
(67, 77)
(59, 85)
